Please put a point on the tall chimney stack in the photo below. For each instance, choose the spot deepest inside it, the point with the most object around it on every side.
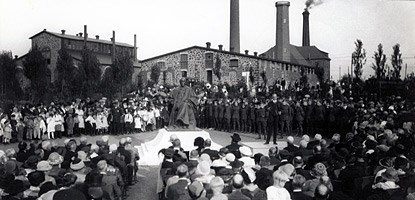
(234, 40)
(85, 35)
(135, 47)
(282, 50)
(113, 47)
(306, 28)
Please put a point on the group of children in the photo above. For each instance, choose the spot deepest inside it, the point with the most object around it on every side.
(73, 120)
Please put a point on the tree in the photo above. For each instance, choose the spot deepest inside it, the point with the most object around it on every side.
(90, 67)
(35, 69)
(216, 69)
(155, 74)
(358, 58)
(319, 73)
(396, 62)
(264, 77)
(8, 80)
(65, 67)
(251, 76)
(303, 78)
(380, 61)
(123, 70)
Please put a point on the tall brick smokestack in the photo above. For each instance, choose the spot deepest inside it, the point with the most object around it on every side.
(282, 48)
(113, 47)
(85, 35)
(306, 28)
(234, 40)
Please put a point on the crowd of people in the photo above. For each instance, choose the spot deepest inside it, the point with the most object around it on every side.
(362, 149)
(77, 170)
(367, 164)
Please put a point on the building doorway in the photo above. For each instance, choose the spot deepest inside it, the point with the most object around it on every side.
(209, 76)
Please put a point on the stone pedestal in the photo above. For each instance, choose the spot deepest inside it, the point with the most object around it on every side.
(149, 150)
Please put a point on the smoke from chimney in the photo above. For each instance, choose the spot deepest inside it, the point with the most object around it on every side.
(312, 3)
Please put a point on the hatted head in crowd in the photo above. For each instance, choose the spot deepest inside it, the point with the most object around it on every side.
(182, 171)
(322, 192)
(290, 140)
(273, 151)
(196, 190)
(280, 178)
(298, 181)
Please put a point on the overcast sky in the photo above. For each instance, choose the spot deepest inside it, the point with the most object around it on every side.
(163, 26)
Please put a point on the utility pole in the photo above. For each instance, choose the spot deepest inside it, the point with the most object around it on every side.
(340, 72)
(406, 67)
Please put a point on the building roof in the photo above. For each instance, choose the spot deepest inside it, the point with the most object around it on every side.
(226, 52)
(79, 38)
(302, 55)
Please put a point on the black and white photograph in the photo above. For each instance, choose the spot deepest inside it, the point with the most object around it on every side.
(207, 100)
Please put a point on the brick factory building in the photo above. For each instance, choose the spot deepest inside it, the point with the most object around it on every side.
(49, 43)
(281, 61)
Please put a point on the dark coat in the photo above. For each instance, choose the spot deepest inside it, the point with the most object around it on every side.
(178, 190)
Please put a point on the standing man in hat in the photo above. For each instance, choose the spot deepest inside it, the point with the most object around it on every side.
(272, 109)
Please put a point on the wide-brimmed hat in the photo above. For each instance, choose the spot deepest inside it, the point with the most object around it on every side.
(237, 164)
(55, 159)
(15, 187)
(43, 166)
(204, 168)
(390, 175)
(31, 162)
(94, 179)
(236, 137)
(319, 170)
(83, 156)
(77, 164)
(246, 151)
(5, 180)
(69, 194)
(195, 189)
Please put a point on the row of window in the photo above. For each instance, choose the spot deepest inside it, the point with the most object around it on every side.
(233, 62)
(95, 47)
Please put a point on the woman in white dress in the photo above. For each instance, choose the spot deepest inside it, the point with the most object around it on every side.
(50, 125)
(59, 128)
(137, 120)
(81, 124)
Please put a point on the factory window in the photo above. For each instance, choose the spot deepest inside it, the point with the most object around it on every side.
(287, 67)
(161, 65)
(184, 74)
(48, 61)
(233, 62)
(184, 61)
(291, 68)
(209, 60)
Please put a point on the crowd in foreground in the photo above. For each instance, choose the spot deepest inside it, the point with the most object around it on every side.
(373, 161)
(77, 170)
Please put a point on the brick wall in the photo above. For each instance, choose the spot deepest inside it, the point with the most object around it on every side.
(47, 42)
(196, 67)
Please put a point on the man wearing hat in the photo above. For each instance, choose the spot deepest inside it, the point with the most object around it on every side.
(273, 117)
(14, 190)
(177, 190)
(234, 146)
(246, 154)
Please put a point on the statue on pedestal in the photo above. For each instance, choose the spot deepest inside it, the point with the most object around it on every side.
(184, 105)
